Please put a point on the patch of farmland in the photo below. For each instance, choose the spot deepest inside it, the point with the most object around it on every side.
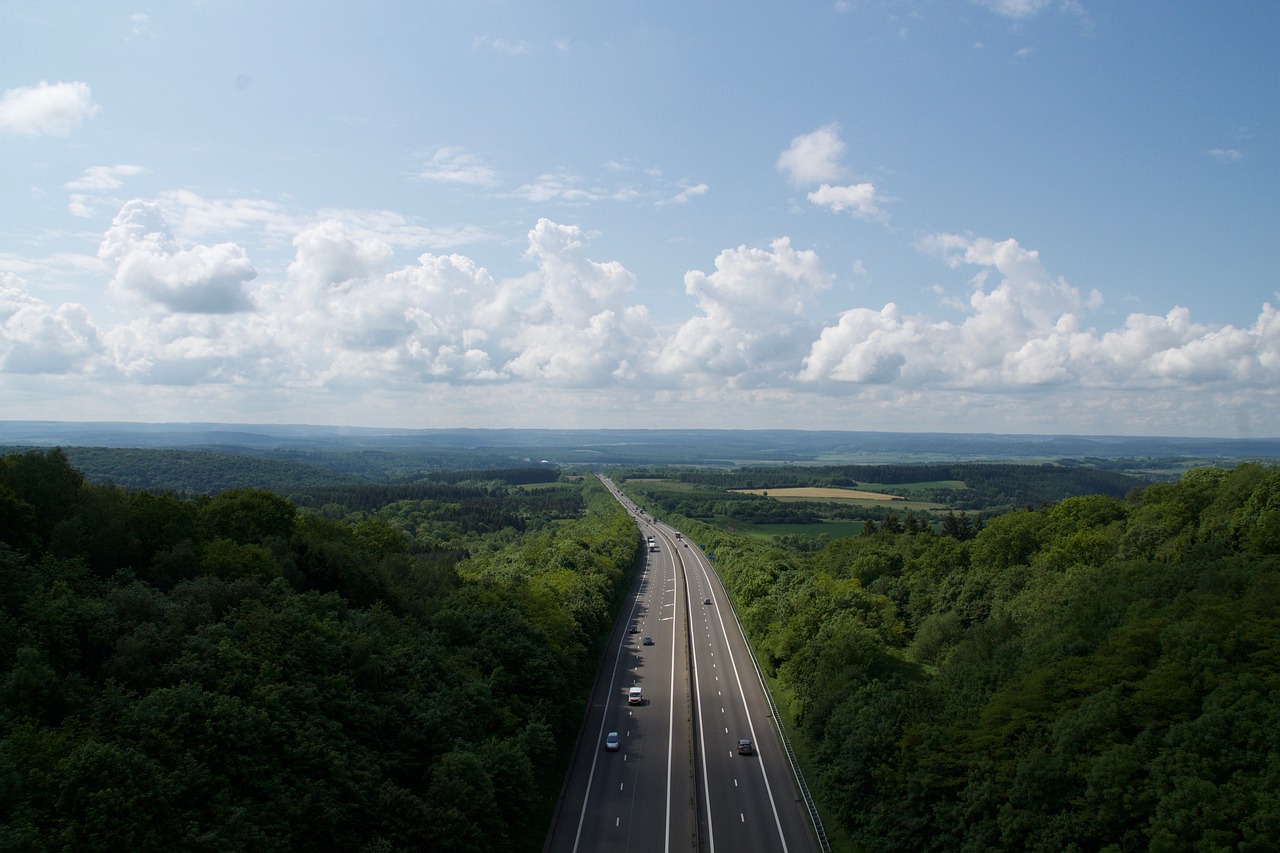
(816, 493)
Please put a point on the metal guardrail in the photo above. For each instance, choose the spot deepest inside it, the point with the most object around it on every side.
(809, 803)
(815, 818)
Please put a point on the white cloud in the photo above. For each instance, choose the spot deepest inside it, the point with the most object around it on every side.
(684, 195)
(563, 188)
(752, 323)
(1026, 332)
(193, 217)
(1226, 155)
(37, 339)
(150, 264)
(814, 158)
(578, 331)
(101, 178)
(345, 317)
(329, 256)
(97, 179)
(860, 199)
(456, 166)
(347, 321)
(504, 46)
(47, 109)
(1017, 10)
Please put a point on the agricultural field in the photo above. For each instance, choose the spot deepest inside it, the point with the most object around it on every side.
(855, 497)
(809, 493)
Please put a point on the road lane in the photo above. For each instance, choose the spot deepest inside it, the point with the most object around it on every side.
(677, 782)
(640, 797)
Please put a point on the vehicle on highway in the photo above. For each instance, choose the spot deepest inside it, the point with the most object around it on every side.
(706, 601)
(635, 629)
(611, 742)
(648, 641)
(634, 696)
(744, 747)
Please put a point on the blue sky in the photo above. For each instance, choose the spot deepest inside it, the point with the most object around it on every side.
(1037, 216)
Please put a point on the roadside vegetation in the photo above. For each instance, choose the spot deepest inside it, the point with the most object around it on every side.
(1098, 673)
(378, 671)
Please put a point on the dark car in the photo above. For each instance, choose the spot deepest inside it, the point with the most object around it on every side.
(635, 629)
(706, 601)
(648, 641)
(744, 747)
(611, 742)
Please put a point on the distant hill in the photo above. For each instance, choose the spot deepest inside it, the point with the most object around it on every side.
(361, 451)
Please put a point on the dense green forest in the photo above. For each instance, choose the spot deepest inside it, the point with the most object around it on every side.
(300, 473)
(385, 666)
(1101, 674)
(233, 672)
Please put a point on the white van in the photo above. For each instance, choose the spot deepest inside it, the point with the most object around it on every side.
(634, 697)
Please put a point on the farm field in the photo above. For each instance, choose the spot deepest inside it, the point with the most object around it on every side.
(814, 493)
(855, 497)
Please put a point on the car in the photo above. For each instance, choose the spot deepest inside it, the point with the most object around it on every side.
(706, 601)
(611, 742)
(648, 641)
(744, 747)
(635, 629)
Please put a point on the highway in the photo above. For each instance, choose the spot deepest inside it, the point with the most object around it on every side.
(677, 780)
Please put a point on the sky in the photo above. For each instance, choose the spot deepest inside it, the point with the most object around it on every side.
(1008, 216)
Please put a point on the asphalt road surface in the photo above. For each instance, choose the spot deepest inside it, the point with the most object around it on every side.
(677, 780)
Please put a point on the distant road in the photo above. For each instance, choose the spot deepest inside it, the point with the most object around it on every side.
(678, 781)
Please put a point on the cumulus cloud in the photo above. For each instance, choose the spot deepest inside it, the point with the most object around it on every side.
(350, 320)
(752, 321)
(814, 158)
(151, 265)
(329, 256)
(35, 338)
(347, 315)
(47, 109)
(578, 330)
(1027, 331)
(859, 199)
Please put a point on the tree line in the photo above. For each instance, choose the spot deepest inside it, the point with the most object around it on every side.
(233, 673)
(1100, 674)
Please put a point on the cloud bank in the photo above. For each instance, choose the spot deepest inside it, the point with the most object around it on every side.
(346, 320)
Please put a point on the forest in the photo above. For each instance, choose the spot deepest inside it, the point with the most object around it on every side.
(1099, 674)
(236, 672)
(398, 666)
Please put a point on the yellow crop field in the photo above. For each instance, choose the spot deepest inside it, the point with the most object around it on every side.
(820, 494)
